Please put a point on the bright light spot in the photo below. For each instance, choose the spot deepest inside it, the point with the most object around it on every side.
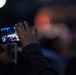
(2, 3)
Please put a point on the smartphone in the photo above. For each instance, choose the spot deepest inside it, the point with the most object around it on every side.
(9, 35)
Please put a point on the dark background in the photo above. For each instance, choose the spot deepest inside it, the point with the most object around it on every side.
(20, 10)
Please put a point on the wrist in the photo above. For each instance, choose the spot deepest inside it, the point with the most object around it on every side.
(24, 45)
(31, 48)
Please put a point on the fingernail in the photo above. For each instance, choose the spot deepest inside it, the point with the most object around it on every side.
(20, 24)
(25, 22)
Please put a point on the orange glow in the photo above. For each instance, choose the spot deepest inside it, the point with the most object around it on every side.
(42, 21)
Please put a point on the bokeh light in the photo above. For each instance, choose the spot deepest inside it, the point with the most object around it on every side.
(2, 3)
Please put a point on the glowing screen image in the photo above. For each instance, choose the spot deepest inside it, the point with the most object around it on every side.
(9, 34)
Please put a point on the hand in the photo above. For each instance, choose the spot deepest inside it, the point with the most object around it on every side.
(26, 34)
(4, 56)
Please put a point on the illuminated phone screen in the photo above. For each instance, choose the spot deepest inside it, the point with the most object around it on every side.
(9, 34)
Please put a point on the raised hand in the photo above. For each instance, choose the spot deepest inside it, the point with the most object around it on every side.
(26, 34)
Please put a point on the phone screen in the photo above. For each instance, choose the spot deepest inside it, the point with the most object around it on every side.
(9, 34)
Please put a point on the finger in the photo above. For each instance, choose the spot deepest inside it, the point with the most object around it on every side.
(23, 30)
(20, 24)
(18, 29)
(27, 27)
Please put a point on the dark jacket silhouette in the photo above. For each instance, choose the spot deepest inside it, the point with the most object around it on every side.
(34, 63)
